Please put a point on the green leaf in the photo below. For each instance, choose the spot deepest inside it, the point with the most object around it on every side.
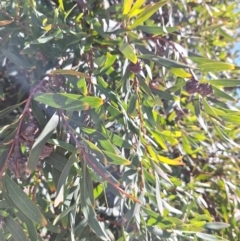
(62, 144)
(157, 30)
(64, 213)
(32, 232)
(115, 159)
(98, 137)
(69, 72)
(208, 65)
(15, 229)
(21, 62)
(144, 87)
(40, 142)
(162, 94)
(63, 179)
(216, 225)
(94, 149)
(159, 139)
(70, 102)
(118, 141)
(22, 201)
(147, 13)
(160, 172)
(211, 27)
(225, 82)
(180, 73)
(208, 237)
(224, 136)
(57, 161)
(9, 109)
(163, 61)
(132, 105)
(128, 52)
(219, 93)
(209, 109)
(87, 207)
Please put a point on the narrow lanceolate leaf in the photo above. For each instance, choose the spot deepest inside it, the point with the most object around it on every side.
(9, 109)
(216, 225)
(168, 63)
(137, 5)
(157, 30)
(90, 147)
(32, 232)
(174, 162)
(208, 109)
(22, 201)
(86, 205)
(147, 13)
(101, 170)
(64, 213)
(160, 172)
(127, 6)
(223, 94)
(209, 65)
(225, 82)
(15, 229)
(70, 72)
(40, 142)
(128, 52)
(98, 137)
(208, 237)
(157, 158)
(115, 159)
(15, 59)
(71, 102)
(180, 73)
(63, 179)
(215, 67)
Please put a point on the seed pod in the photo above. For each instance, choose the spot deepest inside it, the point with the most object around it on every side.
(30, 129)
(205, 89)
(192, 86)
(135, 68)
(57, 82)
(17, 164)
(46, 152)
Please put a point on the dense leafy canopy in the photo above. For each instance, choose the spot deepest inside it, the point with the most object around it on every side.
(119, 120)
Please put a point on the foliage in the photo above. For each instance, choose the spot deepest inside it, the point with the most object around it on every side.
(119, 120)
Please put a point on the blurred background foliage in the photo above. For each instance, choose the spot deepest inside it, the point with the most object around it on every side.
(119, 120)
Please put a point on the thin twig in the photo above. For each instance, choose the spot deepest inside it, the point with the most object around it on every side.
(15, 142)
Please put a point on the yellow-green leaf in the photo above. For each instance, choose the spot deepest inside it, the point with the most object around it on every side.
(180, 73)
(127, 6)
(209, 65)
(70, 72)
(115, 159)
(61, 4)
(128, 52)
(147, 13)
(137, 5)
(135, 12)
(209, 110)
(174, 162)
(71, 102)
